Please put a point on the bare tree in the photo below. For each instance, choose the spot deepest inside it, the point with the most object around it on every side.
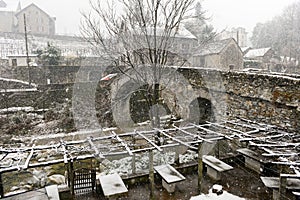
(131, 33)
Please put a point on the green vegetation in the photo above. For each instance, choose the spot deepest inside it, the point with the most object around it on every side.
(51, 55)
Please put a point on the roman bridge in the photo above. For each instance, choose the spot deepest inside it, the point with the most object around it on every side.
(205, 93)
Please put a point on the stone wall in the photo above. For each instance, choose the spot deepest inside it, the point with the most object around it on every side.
(264, 98)
(270, 99)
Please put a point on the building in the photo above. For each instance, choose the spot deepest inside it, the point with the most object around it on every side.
(222, 54)
(262, 58)
(21, 60)
(37, 20)
(70, 46)
(239, 34)
(262, 54)
(180, 45)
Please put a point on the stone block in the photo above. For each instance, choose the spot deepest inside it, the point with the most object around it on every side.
(169, 187)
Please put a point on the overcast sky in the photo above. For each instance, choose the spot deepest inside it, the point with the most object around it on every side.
(224, 13)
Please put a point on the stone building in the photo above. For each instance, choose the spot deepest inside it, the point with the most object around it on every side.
(37, 20)
(180, 46)
(223, 54)
(262, 54)
(262, 58)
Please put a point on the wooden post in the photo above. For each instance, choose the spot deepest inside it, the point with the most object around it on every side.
(200, 167)
(133, 164)
(71, 174)
(282, 187)
(151, 174)
(93, 177)
(217, 149)
(1, 187)
(177, 156)
(133, 156)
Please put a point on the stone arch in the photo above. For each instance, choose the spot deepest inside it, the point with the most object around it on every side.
(172, 81)
(205, 109)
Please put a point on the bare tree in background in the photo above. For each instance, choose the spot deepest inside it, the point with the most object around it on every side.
(131, 33)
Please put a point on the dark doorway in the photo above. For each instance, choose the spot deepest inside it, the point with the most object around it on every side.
(201, 110)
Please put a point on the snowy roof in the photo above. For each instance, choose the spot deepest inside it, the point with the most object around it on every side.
(252, 53)
(245, 48)
(182, 32)
(215, 47)
(22, 55)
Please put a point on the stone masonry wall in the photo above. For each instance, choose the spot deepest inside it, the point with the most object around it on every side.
(263, 98)
(270, 99)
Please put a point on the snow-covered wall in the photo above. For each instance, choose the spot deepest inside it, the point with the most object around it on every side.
(272, 99)
(268, 98)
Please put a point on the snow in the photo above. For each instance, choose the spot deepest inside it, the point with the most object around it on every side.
(16, 109)
(18, 81)
(108, 77)
(253, 53)
(124, 166)
(213, 196)
(110, 129)
(217, 187)
(19, 90)
(182, 32)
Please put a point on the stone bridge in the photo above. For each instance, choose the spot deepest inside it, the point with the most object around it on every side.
(205, 93)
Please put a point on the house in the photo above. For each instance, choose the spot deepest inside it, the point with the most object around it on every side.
(21, 60)
(262, 58)
(245, 49)
(37, 20)
(178, 47)
(223, 54)
(262, 54)
(182, 41)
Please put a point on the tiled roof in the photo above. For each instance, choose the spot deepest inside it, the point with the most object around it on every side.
(214, 47)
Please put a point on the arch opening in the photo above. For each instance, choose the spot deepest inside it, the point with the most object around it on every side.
(204, 113)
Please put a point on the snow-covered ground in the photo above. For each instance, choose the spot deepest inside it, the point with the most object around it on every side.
(213, 196)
